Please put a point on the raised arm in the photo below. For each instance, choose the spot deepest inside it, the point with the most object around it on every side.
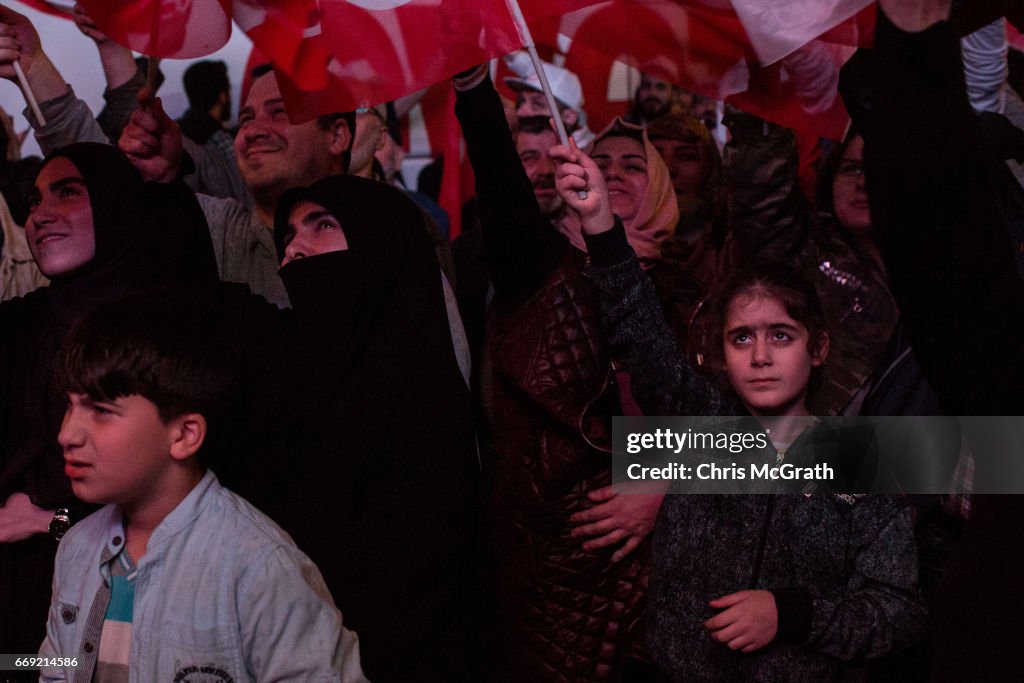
(932, 189)
(634, 324)
(68, 119)
(768, 215)
(523, 248)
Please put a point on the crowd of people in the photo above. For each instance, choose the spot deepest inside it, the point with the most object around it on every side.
(261, 420)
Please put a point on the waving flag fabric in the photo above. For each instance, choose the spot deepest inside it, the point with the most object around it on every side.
(176, 29)
(703, 46)
(384, 49)
(287, 32)
(780, 27)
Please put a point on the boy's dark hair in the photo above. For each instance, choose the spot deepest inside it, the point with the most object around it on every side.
(796, 294)
(204, 82)
(164, 346)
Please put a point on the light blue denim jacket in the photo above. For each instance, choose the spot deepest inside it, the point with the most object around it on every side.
(221, 590)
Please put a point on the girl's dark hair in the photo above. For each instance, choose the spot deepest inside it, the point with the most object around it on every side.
(780, 282)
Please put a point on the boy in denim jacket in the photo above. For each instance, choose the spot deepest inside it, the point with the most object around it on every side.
(176, 578)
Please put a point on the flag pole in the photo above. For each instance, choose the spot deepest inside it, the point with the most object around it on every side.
(153, 65)
(30, 96)
(526, 38)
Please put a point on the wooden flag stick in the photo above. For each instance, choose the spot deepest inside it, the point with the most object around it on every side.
(148, 93)
(30, 96)
(152, 73)
(527, 40)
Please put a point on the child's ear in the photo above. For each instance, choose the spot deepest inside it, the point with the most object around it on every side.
(187, 434)
(820, 352)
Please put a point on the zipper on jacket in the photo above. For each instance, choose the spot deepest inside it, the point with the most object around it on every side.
(763, 542)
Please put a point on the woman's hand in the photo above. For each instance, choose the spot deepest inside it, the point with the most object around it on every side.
(617, 517)
(576, 174)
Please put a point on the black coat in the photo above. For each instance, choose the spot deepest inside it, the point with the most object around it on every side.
(360, 439)
(145, 234)
(933, 189)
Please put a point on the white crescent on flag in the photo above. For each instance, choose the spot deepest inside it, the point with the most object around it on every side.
(379, 5)
(780, 27)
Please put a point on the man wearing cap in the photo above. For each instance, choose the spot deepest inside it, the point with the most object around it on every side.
(565, 86)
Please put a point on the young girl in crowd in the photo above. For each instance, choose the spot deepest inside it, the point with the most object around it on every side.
(750, 587)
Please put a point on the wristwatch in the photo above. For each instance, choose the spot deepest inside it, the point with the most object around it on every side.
(60, 523)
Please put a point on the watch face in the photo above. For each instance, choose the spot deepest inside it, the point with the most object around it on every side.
(59, 526)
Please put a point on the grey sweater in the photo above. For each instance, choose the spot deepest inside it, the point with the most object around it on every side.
(842, 569)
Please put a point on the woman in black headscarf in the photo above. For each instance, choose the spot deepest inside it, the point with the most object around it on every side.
(368, 393)
(97, 231)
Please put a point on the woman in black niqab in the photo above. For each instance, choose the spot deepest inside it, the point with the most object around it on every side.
(145, 234)
(383, 495)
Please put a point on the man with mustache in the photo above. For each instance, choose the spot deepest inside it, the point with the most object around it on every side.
(534, 138)
(653, 98)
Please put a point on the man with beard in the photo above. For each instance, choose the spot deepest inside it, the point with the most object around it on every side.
(653, 98)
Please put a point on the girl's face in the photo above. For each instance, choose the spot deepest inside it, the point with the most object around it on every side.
(312, 230)
(59, 228)
(624, 165)
(767, 355)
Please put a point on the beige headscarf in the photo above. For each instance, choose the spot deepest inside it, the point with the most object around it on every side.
(655, 221)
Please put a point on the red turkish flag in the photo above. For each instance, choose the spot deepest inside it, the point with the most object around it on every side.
(176, 29)
(384, 49)
(539, 9)
(778, 28)
(287, 33)
(706, 49)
